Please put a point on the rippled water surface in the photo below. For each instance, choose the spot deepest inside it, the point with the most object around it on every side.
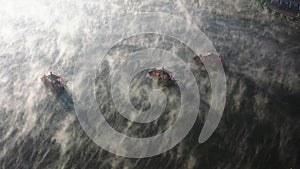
(260, 124)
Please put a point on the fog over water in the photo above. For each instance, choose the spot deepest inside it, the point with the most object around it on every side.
(260, 124)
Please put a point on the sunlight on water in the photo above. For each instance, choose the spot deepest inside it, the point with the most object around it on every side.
(261, 60)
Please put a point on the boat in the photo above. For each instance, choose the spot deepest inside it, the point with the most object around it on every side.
(202, 58)
(286, 9)
(54, 82)
(162, 77)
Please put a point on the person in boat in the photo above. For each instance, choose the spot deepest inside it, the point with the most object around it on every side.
(57, 84)
(154, 73)
(44, 78)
